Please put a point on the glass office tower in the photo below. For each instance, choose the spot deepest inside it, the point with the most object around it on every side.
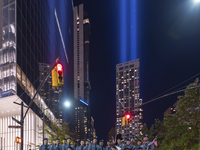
(25, 31)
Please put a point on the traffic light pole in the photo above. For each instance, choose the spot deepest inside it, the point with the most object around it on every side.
(43, 81)
(44, 123)
(43, 126)
(21, 122)
(22, 125)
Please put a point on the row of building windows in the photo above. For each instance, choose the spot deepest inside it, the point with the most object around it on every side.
(30, 90)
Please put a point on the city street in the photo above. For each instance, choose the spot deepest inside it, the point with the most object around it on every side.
(99, 75)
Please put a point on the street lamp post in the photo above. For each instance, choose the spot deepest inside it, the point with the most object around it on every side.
(44, 123)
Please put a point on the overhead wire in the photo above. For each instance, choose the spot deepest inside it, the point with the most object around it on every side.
(176, 85)
(198, 86)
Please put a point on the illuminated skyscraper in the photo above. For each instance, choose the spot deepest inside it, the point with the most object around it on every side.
(128, 97)
(81, 72)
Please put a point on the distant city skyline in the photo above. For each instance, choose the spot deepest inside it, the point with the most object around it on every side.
(167, 45)
(163, 35)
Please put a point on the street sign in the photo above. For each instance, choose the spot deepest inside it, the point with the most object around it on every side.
(14, 126)
(18, 140)
(16, 120)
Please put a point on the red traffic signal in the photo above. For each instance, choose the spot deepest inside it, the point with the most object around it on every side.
(128, 116)
(59, 68)
(18, 140)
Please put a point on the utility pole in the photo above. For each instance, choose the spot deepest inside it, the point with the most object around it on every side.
(44, 123)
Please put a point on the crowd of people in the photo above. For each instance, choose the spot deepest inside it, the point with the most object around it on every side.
(87, 145)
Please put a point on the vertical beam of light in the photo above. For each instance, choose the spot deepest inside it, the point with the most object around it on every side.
(61, 36)
(123, 30)
(133, 29)
(51, 43)
(72, 4)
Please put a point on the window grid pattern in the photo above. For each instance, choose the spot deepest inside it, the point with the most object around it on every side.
(128, 97)
(8, 49)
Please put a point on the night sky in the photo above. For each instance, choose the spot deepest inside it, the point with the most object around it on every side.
(168, 46)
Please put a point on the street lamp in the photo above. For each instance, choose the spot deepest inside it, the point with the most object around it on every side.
(67, 103)
(43, 123)
(197, 1)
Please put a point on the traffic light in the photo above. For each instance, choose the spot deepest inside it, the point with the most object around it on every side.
(123, 121)
(54, 78)
(128, 118)
(60, 74)
(57, 76)
(18, 140)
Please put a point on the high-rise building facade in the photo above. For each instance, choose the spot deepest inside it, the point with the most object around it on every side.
(128, 97)
(81, 72)
(24, 42)
(171, 110)
(92, 129)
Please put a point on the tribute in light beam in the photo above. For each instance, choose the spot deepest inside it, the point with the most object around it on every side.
(133, 29)
(128, 30)
(61, 36)
(123, 30)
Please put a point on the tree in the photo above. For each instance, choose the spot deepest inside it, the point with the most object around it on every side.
(181, 130)
(145, 129)
(152, 133)
(56, 130)
(160, 132)
(61, 131)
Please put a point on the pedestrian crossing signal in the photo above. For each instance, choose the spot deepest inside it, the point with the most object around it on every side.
(18, 140)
